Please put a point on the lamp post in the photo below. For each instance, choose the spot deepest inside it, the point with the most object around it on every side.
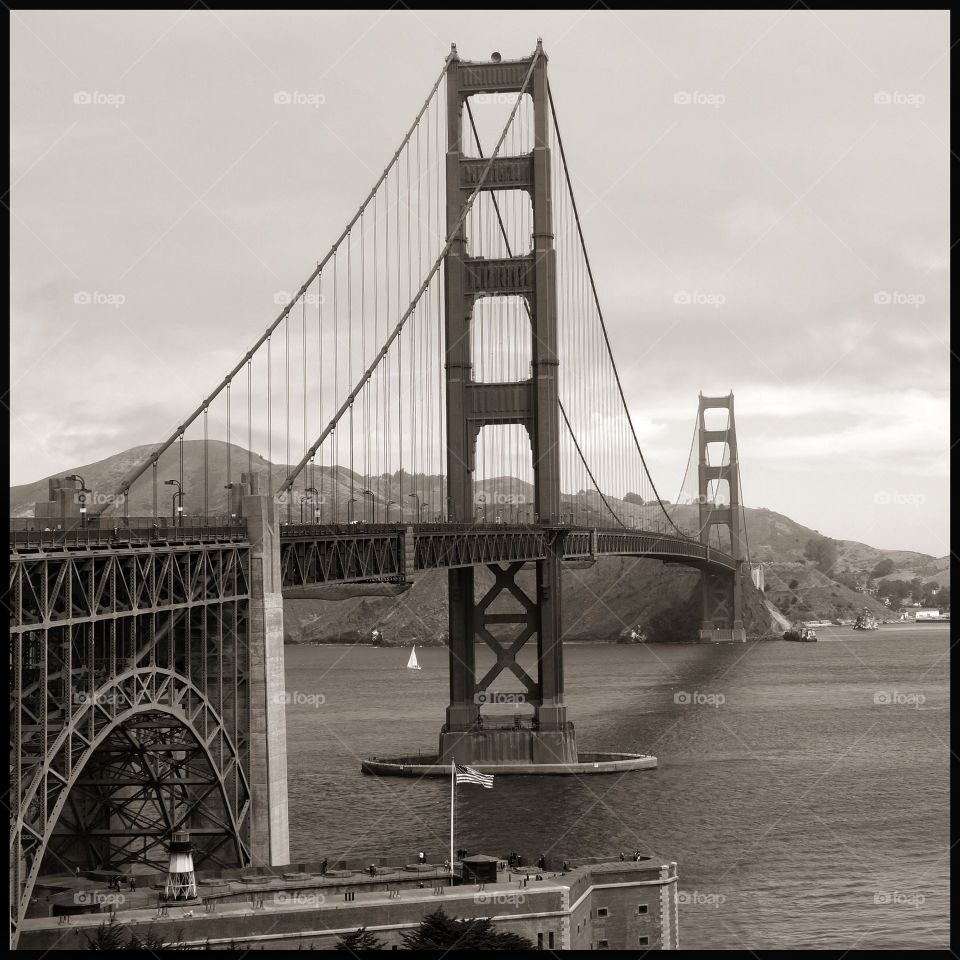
(83, 497)
(176, 500)
(373, 504)
(350, 504)
(314, 493)
(416, 496)
(229, 486)
(390, 503)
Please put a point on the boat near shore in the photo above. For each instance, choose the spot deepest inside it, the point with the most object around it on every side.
(801, 635)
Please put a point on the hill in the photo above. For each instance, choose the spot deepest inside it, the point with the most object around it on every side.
(802, 592)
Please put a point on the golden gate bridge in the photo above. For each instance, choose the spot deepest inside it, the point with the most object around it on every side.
(441, 392)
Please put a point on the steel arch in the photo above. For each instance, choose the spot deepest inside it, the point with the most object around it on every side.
(143, 695)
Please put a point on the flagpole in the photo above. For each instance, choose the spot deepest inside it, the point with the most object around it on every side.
(453, 784)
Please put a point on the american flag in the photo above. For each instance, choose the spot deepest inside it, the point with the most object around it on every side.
(469, 775)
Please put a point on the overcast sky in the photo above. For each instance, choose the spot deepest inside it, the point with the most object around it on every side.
(785, 172)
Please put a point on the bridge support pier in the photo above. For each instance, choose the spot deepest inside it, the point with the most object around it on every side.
(550, 736)
(267, 738)
(721, 599)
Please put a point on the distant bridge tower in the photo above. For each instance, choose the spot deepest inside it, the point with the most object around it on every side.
(472, 405)
(722, 593)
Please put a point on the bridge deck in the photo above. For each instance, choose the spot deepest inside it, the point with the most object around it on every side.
(326, 553)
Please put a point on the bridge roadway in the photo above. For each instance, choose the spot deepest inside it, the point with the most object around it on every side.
(313, 554)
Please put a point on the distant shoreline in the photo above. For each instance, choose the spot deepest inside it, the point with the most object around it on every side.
(611, 642)
(443, 643)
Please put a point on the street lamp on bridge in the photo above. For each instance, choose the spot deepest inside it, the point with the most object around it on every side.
(373, 503)
(176, 500)
(230, 486)
(415, 496)
(314, 492)
(83, 491)
(350, 504)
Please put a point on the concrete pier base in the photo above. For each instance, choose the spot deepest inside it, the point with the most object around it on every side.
(718, 635)
(585, 763)
(509, 746)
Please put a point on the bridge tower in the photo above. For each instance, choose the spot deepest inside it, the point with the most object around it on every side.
(533, 403)
(722, 593)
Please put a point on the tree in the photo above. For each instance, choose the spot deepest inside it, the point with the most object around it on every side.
(931, 594)
(113, 936)
(829, 554)
(360, 939)
(793, 584)
(108, 936)
(634, 498)
(896, 590)
(823, 552)
(153, 941)
(883, 568)
(437, 931)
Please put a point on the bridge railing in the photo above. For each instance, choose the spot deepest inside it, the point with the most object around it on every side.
(294, 529)
(455, 526)
(310, 530)
(32, 533)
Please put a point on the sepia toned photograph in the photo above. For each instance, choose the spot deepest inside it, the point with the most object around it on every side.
(479, 480)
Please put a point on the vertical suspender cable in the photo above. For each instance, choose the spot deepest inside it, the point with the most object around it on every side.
(180, 498)
(229, 441)
(335, 445)
(286, 381)
(269, 418)
(399, 355)
(249, 420)
(308, 478)
(363, 359)
(388, 364)
(206, 468)
(351, 507)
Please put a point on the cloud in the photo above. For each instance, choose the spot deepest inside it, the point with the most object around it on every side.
(797, 200)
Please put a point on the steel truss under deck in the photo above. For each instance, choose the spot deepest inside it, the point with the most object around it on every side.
(315, 554)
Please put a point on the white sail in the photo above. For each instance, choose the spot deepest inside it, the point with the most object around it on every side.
(412, 662)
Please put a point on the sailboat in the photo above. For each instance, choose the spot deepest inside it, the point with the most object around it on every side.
(412, 662)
